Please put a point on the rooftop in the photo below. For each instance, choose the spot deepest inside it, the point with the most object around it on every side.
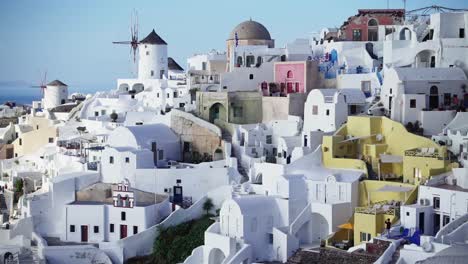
(250, 30)
(153, 38)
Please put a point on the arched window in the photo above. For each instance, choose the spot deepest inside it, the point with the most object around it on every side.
(372, 23)
(289, 74)
(405, 34)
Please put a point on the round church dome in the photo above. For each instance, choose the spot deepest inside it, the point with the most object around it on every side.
(250, 30)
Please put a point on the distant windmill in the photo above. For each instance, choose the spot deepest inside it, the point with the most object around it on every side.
(133, 35)
(43, 84)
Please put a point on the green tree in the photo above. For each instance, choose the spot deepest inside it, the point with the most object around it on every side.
(208, 205)
(19, 185)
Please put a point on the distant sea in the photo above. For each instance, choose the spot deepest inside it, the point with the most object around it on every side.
(23, 93)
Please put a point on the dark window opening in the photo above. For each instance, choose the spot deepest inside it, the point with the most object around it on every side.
(413, 103)
(96, 229)
(72, 228)
(111, 228)
(123, 216)
(135, 229)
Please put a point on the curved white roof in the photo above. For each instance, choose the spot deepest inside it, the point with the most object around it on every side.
(141, 136)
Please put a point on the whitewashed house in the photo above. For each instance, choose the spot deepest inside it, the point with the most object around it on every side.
(454, 136)
(429, 96)
(305, 202)
(328, 109)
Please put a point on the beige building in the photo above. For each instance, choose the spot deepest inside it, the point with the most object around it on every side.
(221, 108)
(33, 133)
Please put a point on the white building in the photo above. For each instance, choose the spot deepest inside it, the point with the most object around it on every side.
(305, 202)
(328, 109)
(138, 147)
(110, 212)
(55, 94)
(454, 136)
(429, 96)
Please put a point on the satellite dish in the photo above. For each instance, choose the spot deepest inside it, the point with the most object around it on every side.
(379, 137)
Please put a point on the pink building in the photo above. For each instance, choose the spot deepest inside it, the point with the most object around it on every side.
(291, 77)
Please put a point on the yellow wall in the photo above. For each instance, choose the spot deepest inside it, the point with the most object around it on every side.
(395, 141)
(371, 224)
(368, 188)
(43, 129)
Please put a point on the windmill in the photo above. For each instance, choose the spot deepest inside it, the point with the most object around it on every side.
(43, 84)
(133, 42)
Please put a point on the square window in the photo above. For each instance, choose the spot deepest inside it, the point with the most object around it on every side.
(413, 103)
(356, 35)
(123, 216)
(251, 76)
(127, 160)
(111, 160)
(72, 228)
(407, 213)
(96, 229)
(111, 228)
(135, 229)
(51, 140)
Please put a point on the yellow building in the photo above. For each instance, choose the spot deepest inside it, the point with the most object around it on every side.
(379, 201)
(33, 132)
(384, 149)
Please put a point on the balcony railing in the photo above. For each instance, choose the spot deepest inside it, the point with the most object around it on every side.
(424, 153)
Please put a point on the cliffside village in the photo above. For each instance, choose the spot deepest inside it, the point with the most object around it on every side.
(351, 144)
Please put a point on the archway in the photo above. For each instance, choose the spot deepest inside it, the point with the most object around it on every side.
(433, 97)
(217, 111)
(124, 87)
(314, 230)
(425, 59)
(405, 34)
(138, 87)
(216, 256)
(8, 258)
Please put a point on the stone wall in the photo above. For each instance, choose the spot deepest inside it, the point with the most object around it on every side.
(198, 142)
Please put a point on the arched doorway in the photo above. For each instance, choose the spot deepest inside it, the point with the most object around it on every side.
(433, 97)
(217, 111)
(405, 34)
(425, 59)
(216, 256)
(138, 87)
(313, 231)
(8, 258)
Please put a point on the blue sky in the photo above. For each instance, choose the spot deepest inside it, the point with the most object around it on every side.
(73, 39)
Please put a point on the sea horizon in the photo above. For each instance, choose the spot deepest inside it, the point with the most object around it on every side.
(25, 94)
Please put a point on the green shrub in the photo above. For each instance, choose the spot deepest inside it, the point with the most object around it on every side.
(175, 244)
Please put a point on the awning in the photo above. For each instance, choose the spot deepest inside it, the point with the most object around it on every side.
(357, 138)
(390, 188)
(386, 158)
(348, 226)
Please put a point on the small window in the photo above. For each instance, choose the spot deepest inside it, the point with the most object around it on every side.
(111, 228)
(461, 33)
(152, 73)
(168, 95)
(96, 113)
(356, 35)
(111, 160)
(436, 202)
(123, 216)
(96, 229)
(51, 140)
(270, 238)
(251, 76)
(103, 112)
(157, 95)
(445, 219)
(127, 160)
(289, 74)
(135, 230)
(269, 139)
(20, 141)
(160, 154)
(328, 112)
(147, 52)
(72, 228)
(315, 110)
(37, 127)
(407, 213)
(413, 103)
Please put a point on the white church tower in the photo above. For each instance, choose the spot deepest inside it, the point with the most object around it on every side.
(55, 94)
(152, 62)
